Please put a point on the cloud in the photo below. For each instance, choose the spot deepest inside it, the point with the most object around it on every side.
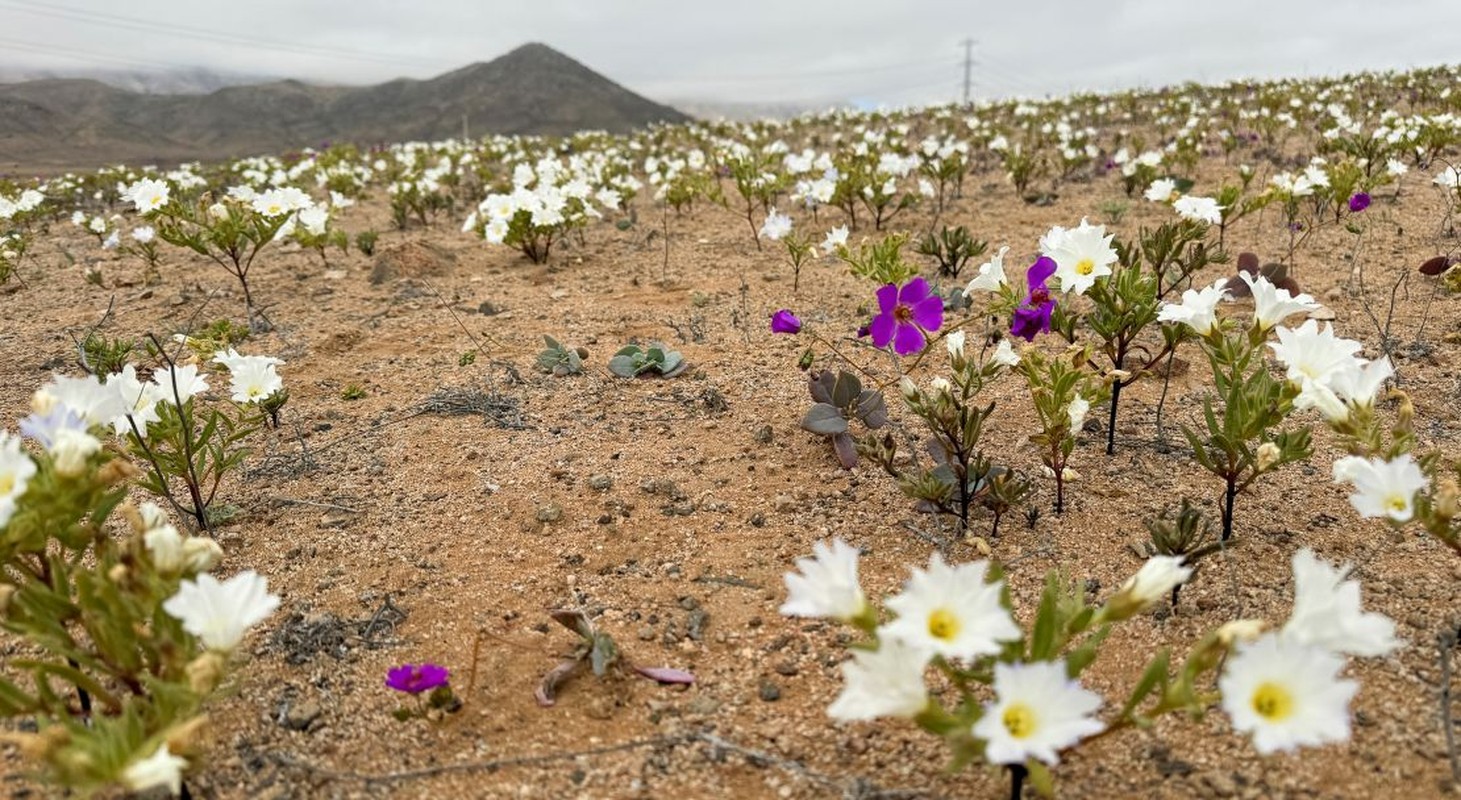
(750, 50)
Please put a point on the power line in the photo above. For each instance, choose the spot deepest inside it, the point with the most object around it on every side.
(968, 66)
(789, 76)
(82, 55)
(169, 29)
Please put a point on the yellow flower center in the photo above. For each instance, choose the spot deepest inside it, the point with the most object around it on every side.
(1397, 504)
(1085, 266)
(7, 483)
(1019, 719)
(942, 624)
(275, 209)
(1273, 702)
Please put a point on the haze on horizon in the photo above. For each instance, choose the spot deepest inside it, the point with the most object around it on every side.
(748, 52)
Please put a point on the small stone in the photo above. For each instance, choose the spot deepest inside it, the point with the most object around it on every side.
(601, 483)
(784, 503)
(646, 633)
(301, 716)
(695, 625)
(702, 705)
(770, 692)
(764, 435)
(786, 668)
(550, 513)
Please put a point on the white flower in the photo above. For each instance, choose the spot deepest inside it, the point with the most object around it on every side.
(1161, 190)
(1081, 255)
(16, 470)
(201, 554)
(775, 226)
(951, 611)
(837, 237)
(148, 195)
(1198, 309)
(186, 379)
(1076, 412)
(1151, 584)
(70, 448)
(887, 682)
(252, 377)
(955, 343)
(1272, 305)
(1359, 384)
(221, 613)
(1199, 209)
(1382, 488)
(827, 585)
(144, 234)
(1005, 355)
(139, 401)
(1314, 353)
(1037, 711)
(1448, 178)
(1287, 694)
(991, 274)
(314, 219)
(162, 768)
(93, 402)
(1327, 611)
(165, 546)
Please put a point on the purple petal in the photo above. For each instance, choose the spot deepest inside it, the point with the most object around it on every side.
(665, 674)
(888, 298)
(783, 321)
(908, 341)
(1040, 272)
(913, 291)
(881, 329)
(1028, 322)
(928, 313)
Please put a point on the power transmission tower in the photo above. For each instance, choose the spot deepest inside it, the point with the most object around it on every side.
(968, 66)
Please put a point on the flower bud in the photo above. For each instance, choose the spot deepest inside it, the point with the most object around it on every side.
(70, 450)
(908, 388)
(1268, 455)
(1151, 584)
(42, 402)
(185, 739)
(117, 471)
(218, 211)
(204, 672)
(6, 592)
(940, 386)
(1446, 499)
(119, 573)
(1240, 630)
(201, 554)
(165, 547)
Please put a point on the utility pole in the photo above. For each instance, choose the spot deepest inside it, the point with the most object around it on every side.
(968, 66)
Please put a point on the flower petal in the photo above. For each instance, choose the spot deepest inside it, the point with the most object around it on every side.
(881, 329)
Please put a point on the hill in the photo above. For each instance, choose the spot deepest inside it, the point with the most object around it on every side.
(533, 89)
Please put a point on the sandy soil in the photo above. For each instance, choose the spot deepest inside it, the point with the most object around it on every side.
(669, 510)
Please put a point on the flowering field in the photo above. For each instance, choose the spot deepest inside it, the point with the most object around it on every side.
(1097, 447)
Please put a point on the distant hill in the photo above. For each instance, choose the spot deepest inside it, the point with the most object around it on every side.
(531, 90)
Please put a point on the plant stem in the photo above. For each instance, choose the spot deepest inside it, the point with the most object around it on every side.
(1228, 495)
(1018, 772)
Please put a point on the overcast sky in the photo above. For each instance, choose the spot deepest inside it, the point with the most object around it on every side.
(749, 50)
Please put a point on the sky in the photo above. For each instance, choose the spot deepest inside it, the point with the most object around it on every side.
(749, 51)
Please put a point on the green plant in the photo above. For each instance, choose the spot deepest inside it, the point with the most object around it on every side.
(365, 241)
(632, 361)
(952, 248)
(560, 361)
(840, 399)
(353, 391)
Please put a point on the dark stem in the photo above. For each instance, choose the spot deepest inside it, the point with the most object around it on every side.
(1018, 772)
(82, 696)
(1111, 421)
(1228, 495)
(1162, 402)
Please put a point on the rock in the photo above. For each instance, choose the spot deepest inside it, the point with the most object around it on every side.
(769, 692)
(601, 483)
(702, 705)
(413, 259)
(550, 513)
(784, 503)
(646, 633)
(1217, 784)
(764, 435)
(786, 668)
(301, 716)
(695, 625)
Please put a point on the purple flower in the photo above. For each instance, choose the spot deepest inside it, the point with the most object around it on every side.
(417, 679)
(44, 427)
(783, 321)
(1359, 202)
(1033, 316)
(906, 316)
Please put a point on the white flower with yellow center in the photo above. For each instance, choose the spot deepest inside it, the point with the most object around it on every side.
(16, 470)
(1037, 712)
(148, 195)
(1199, 209)
(951, 611)
(1198, 309)
(1081, 255)
(220, 613)
(1272, 305)
(1382, 488)
(1287, 694)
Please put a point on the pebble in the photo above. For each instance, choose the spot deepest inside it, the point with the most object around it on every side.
(300, 716)
(550, 513)
(601, 483)
(770, 692)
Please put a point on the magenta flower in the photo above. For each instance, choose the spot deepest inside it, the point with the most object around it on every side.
(783, 321)
(1033, 316)
(906, 316)
(415, 679)
(1359, 202)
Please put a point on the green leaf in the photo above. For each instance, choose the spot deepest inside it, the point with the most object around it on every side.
(1040, 778)
(825, 420)
(1154, 676)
